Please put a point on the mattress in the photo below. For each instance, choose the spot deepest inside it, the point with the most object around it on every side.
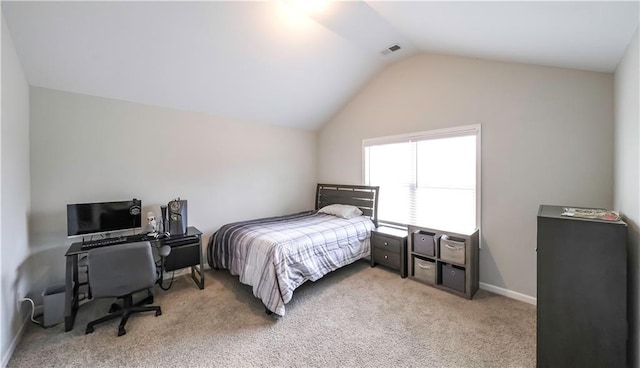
(276, 255)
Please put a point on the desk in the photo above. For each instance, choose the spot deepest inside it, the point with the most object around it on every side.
(183, 249)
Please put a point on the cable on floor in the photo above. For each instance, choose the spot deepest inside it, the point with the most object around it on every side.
(33, 310)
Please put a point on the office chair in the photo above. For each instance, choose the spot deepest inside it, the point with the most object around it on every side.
(119, 271)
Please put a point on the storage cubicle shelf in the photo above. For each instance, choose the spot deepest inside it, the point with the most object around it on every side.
(443, 259)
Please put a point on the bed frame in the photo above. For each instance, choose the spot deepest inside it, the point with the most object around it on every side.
(362, 196)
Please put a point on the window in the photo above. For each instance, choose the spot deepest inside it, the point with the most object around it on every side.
(428, 179)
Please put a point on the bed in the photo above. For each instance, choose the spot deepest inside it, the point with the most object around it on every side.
(276, 255)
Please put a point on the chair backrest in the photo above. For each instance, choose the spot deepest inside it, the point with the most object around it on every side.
(118, 270)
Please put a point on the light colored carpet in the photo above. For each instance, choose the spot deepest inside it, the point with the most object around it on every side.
(355, 317)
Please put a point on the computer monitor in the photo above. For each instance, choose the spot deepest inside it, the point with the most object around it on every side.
(102, 217)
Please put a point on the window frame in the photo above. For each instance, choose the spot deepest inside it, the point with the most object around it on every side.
(466, 130)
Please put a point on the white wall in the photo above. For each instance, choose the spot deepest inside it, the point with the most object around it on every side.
(627, 180)
(547, 138)
(90, 149)
(14, 193)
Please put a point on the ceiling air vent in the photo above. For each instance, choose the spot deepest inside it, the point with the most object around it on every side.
(393, 48)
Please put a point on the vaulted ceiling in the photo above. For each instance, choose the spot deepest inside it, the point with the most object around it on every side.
(278, 63)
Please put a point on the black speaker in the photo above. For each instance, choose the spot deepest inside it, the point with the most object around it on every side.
(136, 207)
(177, 216)
(165, 221)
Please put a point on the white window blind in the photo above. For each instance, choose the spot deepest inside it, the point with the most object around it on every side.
(427, 179)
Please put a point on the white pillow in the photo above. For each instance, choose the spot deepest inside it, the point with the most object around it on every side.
(341, 210)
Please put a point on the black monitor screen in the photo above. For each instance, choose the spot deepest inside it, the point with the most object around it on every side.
(89, 218)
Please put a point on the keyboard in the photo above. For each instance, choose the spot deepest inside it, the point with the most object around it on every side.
(103, 243)
(172, 242)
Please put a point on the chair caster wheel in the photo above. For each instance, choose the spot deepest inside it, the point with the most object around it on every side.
(88, 330)
(121, 331)
(158, 313)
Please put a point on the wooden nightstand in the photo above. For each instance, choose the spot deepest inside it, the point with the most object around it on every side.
(389, 248)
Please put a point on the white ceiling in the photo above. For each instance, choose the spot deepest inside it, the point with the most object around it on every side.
(268, 62)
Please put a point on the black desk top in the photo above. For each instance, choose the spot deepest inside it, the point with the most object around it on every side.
(76, 248)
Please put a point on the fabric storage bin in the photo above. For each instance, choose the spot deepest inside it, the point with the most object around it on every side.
(424, 270)
(424, 243)
(453, 277)
(452, 249)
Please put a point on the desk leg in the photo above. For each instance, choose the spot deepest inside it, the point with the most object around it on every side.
(71, 292)
(200, 270)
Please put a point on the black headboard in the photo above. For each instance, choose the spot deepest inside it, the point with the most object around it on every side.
(362, 196)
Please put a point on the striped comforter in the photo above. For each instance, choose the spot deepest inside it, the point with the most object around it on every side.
(276, 255)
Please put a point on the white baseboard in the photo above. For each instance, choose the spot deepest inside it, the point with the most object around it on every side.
(509, 293)
(14, 343)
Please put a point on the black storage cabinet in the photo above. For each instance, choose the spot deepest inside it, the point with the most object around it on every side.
(582, 291)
